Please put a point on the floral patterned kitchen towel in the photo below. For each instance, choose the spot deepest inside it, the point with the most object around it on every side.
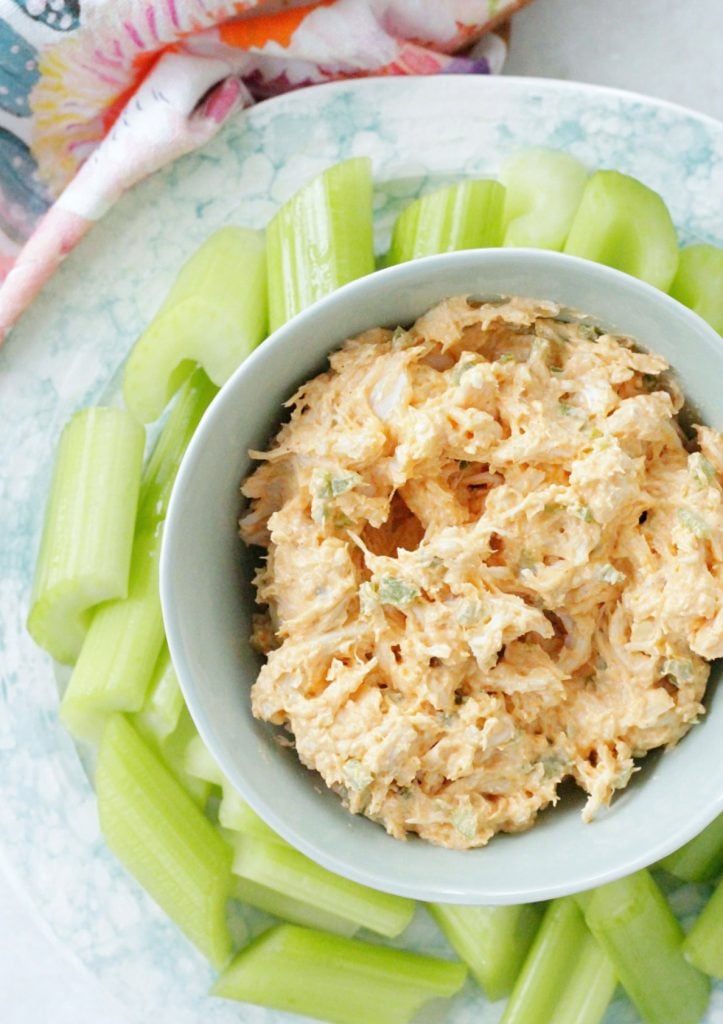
(94, 99)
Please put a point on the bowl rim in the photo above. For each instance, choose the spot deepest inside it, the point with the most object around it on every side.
(171, 541)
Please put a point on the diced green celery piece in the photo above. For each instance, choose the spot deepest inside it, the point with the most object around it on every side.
(335, 979)
(282, 868)
(589, 988)
(633, 923)
(214, 315)
(544, 188)
(320, 239)
(493, 941)
(163, 839)
(463, 216)
(289, 909)
(701, 859)
(698, 283)
(550, 962)
(159, 716)
(173, 751)
(87, 537)
(162, 467)
(703, 946)
(235, 814)
(120, 650)
(624, 224)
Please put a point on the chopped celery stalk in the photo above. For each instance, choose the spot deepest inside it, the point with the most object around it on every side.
(622, 223)
(589, 988)
(283, 869)
(550, 962)
(198, 761)
(335, 979)
(633, 923)
(289, 909)
(701, 859)
(163, 839)
(493, 941)
(320, 239)
(464, 216)
(235, 814)
(173, 752)
(87, 537)
(160, 472)
(698, 283)
(214, 315)
(158, 718)
(703, 945)
(543, 192)
(118, 655)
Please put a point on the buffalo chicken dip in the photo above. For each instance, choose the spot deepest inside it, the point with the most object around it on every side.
(493, 561)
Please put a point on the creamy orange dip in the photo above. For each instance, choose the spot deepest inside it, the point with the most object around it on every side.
(493, 562)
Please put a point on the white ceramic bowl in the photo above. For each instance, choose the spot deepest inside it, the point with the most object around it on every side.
(208, 600)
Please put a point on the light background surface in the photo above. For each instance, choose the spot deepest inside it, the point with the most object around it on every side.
(663, 48)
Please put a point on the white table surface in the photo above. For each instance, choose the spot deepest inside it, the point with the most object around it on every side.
(665, 48)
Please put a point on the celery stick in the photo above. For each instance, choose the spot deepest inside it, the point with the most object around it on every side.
(235, 814)
(589, 988)
(550, 962)
(464, 216)
(289, 909)
(701, 859)
(120, 650)
(320, 239)
(163, 839)
(88, 532)
(214, 315)
(703, 946)
(344, 981)
(159, 716)
(633, 923)
(160, 472)
(493, 941)
(622, 223)
(173, 752)
(699, 283)
(199, 762)
(283, 869)
(543, 192)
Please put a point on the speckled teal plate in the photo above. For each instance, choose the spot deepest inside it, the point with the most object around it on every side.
(68, 352)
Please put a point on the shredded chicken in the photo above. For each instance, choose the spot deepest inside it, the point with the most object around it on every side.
(492, 562)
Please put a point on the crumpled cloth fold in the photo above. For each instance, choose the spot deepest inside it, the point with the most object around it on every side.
(133, 84)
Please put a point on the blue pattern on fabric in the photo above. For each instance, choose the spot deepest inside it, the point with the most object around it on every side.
(22, 197)
(61, 15)
(18, 71)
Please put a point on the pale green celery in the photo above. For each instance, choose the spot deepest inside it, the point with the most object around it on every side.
(463, 216)
(160, 714)
(701, 859)
(233, 811)
(320, 239)
(335, 979)
(162, 467)
(235, 814)
(622, 223)
(87, 536)
(703, 946)
(165, 723)
(634, 925)
(289, 909)
(214, 315)
(551, 961)
(280, 867)
(543, 192)
(493, 941)
(120, 650)
(589, 988)
(699, 283)
(163, 839)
